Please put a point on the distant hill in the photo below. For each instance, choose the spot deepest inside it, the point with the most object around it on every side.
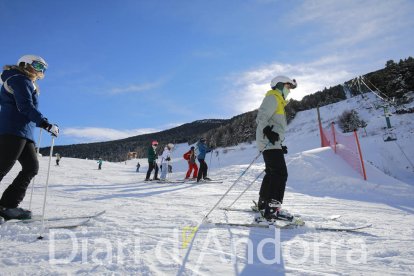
(395, 81)
(117, 150)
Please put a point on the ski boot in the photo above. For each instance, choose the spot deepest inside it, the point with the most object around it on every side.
(15, 213)
(284, 215)
(259, 206)
(261, 203)
(271, 210)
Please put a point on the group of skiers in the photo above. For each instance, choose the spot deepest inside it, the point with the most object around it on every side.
(190, 156)
(19, 115)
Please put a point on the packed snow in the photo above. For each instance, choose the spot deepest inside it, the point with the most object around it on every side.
(149, 228)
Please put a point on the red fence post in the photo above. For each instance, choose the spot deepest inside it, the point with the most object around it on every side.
(320, 128)
(360, 156)
(333, 134)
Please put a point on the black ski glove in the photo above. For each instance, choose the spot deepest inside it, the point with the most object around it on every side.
(168, 159)
(284, 149)
(271, 135)
(53, 129)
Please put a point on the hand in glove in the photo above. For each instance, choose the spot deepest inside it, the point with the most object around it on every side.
(284, 149)
(51, 128)
(271, 135)
(168, 159)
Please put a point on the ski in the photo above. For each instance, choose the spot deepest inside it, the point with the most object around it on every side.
(69, 225)
(332, 217)
(57, 218)
(238, 210)
(342, 228)
(293, 225)
(170, 181)
(281, 224)
(204, 181)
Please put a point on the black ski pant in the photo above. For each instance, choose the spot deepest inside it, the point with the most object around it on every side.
(12, 149)
(274, 181)
(202, 172)
(151, 166)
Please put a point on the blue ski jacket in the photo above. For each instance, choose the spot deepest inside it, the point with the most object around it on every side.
(202, 150)
(19, 114)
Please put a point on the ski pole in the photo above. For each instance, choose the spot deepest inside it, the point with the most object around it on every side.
(234, 183)
(228, 207)
(47, 185)
(34, 178)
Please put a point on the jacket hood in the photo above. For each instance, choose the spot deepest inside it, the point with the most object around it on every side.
(10, 71)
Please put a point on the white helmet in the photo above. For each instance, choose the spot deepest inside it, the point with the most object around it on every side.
(283, 79)
(170, 145)
(38, 63)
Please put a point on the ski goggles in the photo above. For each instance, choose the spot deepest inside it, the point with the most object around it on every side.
(38, 66)
(292, 85)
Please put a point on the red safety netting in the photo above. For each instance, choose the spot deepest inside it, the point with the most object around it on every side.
(346, 146)
(325, 138)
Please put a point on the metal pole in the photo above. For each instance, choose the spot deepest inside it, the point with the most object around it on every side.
(34, 178)
(234, 183)
(248, 187)
(47, 185)
(387, 117)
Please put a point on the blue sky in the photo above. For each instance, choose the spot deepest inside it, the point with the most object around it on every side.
(124, 68)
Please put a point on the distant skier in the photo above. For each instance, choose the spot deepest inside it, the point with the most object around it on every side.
(202, 150)
(190, 156)
(19, 115)
(100, 163)
(270, 133)
(152, 161)
(57, 159)
(138, 166)
(165, 158)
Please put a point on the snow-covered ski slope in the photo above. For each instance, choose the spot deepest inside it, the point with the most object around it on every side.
(148, 227)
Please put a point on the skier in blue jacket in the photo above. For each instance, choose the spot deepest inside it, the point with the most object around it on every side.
(202, 150)
(19, 115)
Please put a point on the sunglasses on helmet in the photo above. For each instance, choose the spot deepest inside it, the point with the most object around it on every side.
(38, 66)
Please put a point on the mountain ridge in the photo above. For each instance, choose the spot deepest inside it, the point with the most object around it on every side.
(396, 81)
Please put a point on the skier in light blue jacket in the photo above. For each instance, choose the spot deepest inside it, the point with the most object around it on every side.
(202, 150)
(270, 133)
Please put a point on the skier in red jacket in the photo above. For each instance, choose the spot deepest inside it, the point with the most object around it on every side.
(192, 165)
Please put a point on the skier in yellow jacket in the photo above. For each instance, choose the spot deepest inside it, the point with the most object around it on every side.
(270, 133)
